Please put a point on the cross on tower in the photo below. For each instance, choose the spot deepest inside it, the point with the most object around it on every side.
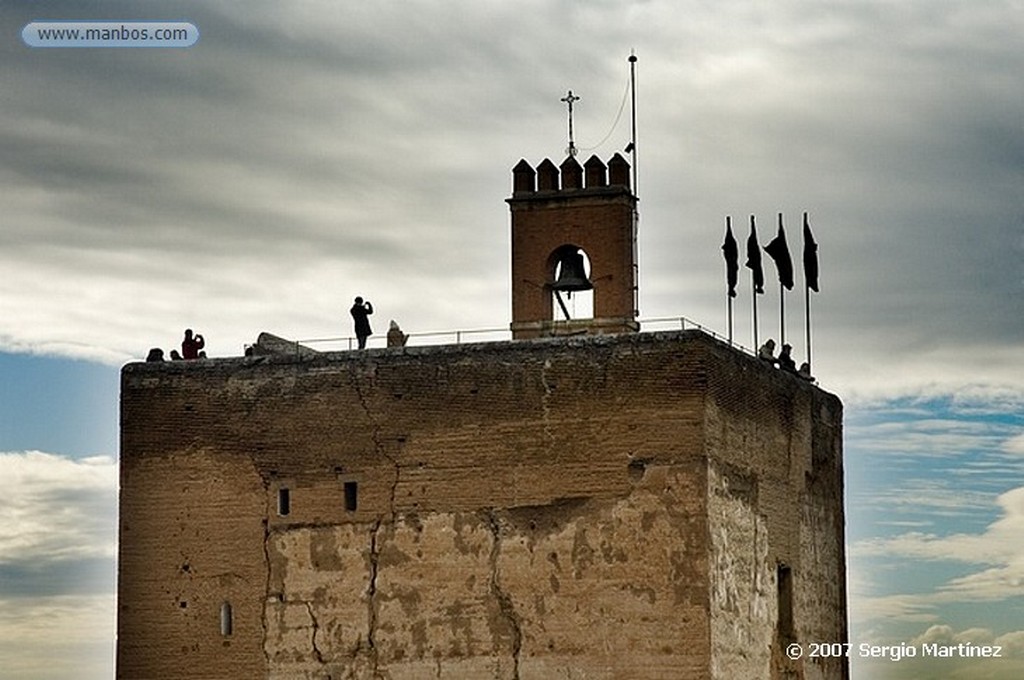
(569, 99)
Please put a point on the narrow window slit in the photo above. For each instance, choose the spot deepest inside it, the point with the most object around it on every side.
(351, 496)
(227, 622)
(785, 583)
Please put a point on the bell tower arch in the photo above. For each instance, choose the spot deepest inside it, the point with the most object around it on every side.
(558, 215)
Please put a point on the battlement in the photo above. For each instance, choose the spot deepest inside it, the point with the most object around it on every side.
(547, 178)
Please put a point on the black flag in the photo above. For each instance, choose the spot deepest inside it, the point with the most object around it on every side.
(810, 258)
(779, 251)
(732, 258)
(754, 259)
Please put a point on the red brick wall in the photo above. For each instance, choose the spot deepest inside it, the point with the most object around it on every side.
(598, 219)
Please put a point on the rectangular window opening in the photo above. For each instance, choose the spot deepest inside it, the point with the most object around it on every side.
(785, 583)
(351, 496)
(284, 502)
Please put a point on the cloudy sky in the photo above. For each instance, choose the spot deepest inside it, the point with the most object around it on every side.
(303, 153)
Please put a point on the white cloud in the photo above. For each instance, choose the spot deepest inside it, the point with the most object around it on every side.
(998, 549)
(57, 508)
(868, 610)
(57, 544)
(297, 158)
(1015, 445)
(929, 499)
(1008, 666)
(944, 634)
(57, 637)
(931, 438)
(999, 544)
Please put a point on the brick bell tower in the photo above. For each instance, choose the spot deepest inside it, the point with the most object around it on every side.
(559, 221)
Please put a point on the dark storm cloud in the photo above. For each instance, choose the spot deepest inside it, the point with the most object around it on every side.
(156, 149)
(884, 123)
(45, 160)
(361, 142)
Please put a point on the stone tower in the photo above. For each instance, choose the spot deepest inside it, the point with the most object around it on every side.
(612, 505)
(589, 208)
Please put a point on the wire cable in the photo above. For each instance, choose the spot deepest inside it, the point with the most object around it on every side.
(618, 117)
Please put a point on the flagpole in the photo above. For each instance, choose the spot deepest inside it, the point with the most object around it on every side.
(807, 297)
(729, 301)
(728, 293)
(807, 317)
(755, 314)
(782, 304)
(782, 315)
(753, 292)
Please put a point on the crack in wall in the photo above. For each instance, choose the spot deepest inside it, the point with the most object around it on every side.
(381, 449)
(394, 482)
(378, 443)
(371, 622)
(316, 629)
(549, 388)
(503, 599)
(264, 622)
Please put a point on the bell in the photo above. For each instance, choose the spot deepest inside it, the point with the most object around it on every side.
(571, 275)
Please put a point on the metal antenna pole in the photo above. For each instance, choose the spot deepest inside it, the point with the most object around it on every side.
(636, 191)
(570, 99)
(632, 139)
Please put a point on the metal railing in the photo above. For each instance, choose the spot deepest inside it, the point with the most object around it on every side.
(460, 336)
(685, 324)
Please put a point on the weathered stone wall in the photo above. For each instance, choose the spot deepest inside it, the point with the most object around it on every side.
(744, 607)
(822, 559)
(775, 500)
(543, 509)
(580, 588)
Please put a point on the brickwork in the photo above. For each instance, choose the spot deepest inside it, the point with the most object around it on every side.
(600, 507)
(598, 217)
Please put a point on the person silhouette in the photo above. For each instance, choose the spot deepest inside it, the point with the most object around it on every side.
(190, 346)
(360, 311)
(786, 362)
(805, 372)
